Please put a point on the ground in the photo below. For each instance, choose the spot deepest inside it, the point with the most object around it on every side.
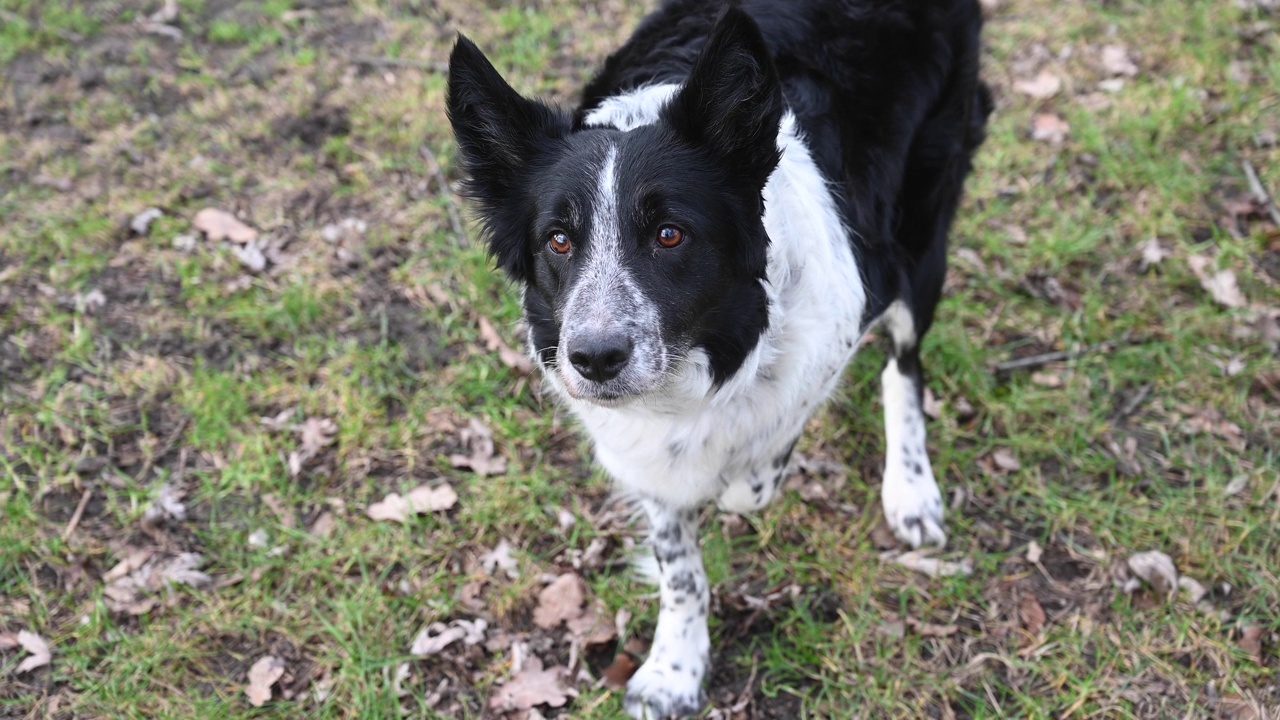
(194, 429)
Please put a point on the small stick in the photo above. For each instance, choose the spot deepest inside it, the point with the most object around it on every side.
(1133, 403)
(1037, 361)
(442, 184)
(79, 513)
(1260, 192)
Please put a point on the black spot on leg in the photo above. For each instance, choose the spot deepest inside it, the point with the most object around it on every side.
(780, 460)
(917, 468)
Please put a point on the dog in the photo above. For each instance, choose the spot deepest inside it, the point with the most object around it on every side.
(745, 191)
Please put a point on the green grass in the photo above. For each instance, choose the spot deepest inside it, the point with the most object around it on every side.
(168, 382)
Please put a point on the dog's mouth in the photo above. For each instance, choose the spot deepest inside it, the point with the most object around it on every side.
(610, 394)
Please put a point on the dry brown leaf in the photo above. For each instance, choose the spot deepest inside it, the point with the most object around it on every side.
(932, 405)
(392, 507)
(1251, 641)
(1032, 614)
(1221, 285)
(41, 655)
(594, 626)
(1049, 128)
(1154, 567)
(425, 499)
(560, 601)
(1115, 61)
(438, 636)
(1034, 552)
(1041, 87)
(262, 676)
(483, 459)
(932, 566)
(500, 558)
(533, 686)
(132, 584)
(1047, 379)
(618, 673)
(1005, 460)
(494, 343)
(1152, 254)
(221, 225)
(323, 525)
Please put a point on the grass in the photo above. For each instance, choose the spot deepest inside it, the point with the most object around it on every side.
(259, 110)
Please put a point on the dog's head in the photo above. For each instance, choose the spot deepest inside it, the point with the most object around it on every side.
(635, 247)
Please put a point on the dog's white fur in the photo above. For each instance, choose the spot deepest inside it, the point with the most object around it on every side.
(687, 442)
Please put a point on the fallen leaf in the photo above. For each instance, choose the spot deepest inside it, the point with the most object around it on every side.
(1152, 254)
(1221, 285)
(1237, 485)
(426, 499)
(1032, 614)
(1115, 61)
(932, 405)
(533, 686)
(560, 601)
(1004, 460)
(323, 525)
(1034, 552)
(620, 671)
(438, 636)
(1156, 568)
(140, 224)
(41, 655)
(931, 566)
(168, 505)
(1251, 641)
(317, 434)
(258, 539)
(1043, 86)
(594, 626)
(1047, 379)
(1194, 590)
(500, 558)
(1049, 128)
(251, 256)
(482, 461)
(494, 343)
(262, 676)
(221, 225)
(393, 507)
(90, 302)
(893, 630)
(283, 512)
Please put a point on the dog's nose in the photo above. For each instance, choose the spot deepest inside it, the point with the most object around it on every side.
(601, 358)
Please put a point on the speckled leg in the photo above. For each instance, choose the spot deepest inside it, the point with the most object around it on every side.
(669, 683)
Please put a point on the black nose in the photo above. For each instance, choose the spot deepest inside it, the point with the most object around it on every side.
(601, 358)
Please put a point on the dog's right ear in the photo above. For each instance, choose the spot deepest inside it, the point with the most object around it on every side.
(500, 136)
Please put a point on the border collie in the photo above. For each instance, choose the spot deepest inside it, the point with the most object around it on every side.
(745, 191)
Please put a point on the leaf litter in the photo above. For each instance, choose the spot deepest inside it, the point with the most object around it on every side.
(421, 500)
(262, 675)
(482, 460)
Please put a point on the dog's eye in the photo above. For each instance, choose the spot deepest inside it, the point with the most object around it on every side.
(559, 243)
(670, 236)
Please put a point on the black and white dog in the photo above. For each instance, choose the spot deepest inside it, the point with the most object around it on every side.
(743, 194)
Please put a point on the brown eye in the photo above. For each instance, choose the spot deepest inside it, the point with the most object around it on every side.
(670, 236)
(559, 243)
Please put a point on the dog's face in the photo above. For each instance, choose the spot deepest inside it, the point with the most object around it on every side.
(635, 248)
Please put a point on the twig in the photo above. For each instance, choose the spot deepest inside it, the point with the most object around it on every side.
(1038, 361)
(79, 513)
(1260, 192)
(375, 61)
(1134, 402)
(442, 186)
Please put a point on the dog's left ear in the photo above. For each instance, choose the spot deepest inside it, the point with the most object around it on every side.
(500, 135)
(732, 102)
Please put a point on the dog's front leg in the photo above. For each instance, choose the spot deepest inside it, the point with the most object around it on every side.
(669, 683)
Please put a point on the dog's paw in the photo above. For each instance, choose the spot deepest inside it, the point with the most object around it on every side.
(661, 690)
(914, 511)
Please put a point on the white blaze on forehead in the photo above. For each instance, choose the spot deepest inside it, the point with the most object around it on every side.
(603, 291)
